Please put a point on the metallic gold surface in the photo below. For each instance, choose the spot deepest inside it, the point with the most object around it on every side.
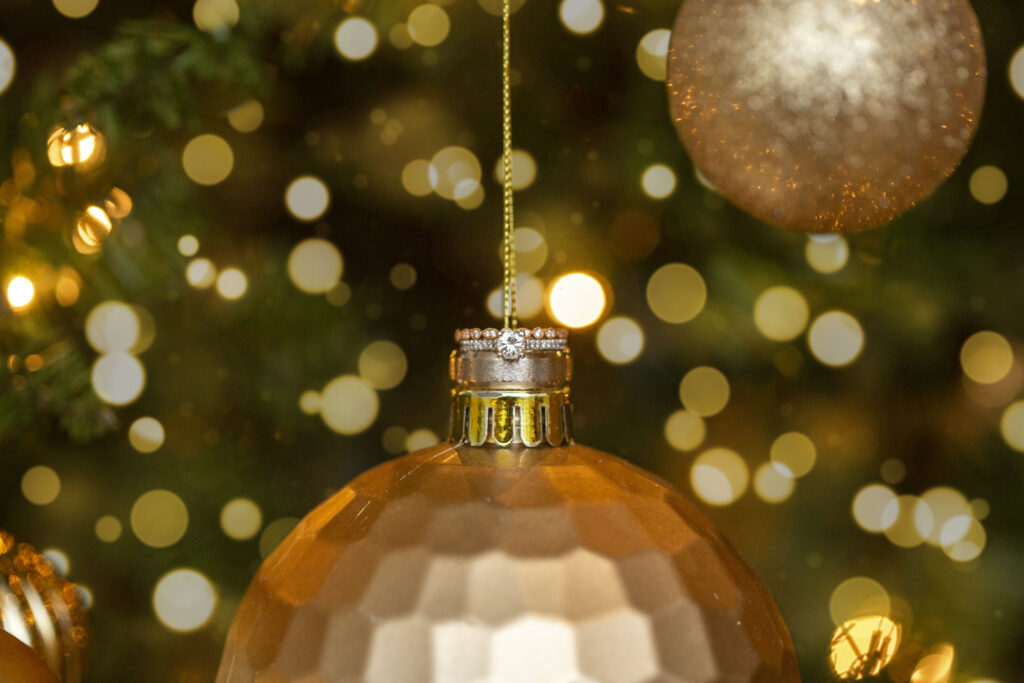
(19, 664)
(41, 609)
(507, 417)
(826, 115)
(486, 370)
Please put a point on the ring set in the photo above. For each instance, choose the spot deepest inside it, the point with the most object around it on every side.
(513, 344)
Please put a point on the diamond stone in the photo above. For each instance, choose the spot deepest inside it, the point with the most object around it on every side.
(511, 344)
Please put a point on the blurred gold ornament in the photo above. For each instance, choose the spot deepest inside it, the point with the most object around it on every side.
(91, 230)
(508, 553)
(826, 115)
(863, 646)
(82, 147)
(42, 610)
(19, 664)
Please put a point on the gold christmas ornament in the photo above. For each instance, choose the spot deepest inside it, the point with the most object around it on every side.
(41, 610)
(826, 115)
(19, 664)
(83, 147)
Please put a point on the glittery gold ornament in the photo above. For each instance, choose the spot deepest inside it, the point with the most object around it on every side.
(41, 609)
(826, 115)
(19, 664)
(507, 554)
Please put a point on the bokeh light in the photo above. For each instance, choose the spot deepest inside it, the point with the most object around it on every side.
(92, 229)
(863, 646)
(69, 286)
(913, 523)
(309, 402)
(719, 476)
(20, 292)
(871, 505)
(201, 273)
(793, 454)
(531, 250)
(75, 9)
(428, 25)
(893, 471)
(232, 283)
(393, 439)
(241, 519)
(827, 253)
(307, 198)
(454, 173)
(936, 666)
(184, 600)
(112, 326)
(781, 313)
(40, 485)
(971, 542)
(246, 117)
(1016, 71)
(986, 357)
(950, 515)
(416, 178)
(419, 439)
(402, 276)
(8, 66)
(188, 245)
(349, 404)
(108, 528)
(576, 300)
(159, 518)
(214, 16)
(355, 38)
(275, 532)
(858, 596)
(658, 181)
(988, 184)
(529, 297)
(836, 338)
(146, 435)
(581, 16)
(315, 265)
(383, 365)
(1012, 425)
(704, 391)
(771, 485)
(620, 340)
(652, 53)
(208, 159)
(59, 560)
(524, 169)
(118, 378)
(676, 293)
(684, 431)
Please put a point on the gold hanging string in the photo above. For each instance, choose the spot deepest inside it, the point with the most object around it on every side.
(508, 234)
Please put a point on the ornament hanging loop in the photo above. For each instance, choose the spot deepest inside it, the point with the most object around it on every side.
(508, 221)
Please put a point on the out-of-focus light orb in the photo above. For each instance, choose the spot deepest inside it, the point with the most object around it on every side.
(118, 378)
(935, 667)
(420, 439)
(524, 169)
(75, 9)
(581, 16)
(69, 286)
(428, 25)
(493, 7)
(82, 147)
(146, 435)
(946, 504)
(246, 117)
(827, 256)
(108, 528)
(232, 283)
(471, 200)
(704, 391)
(870, 505)
(676, 293)
(858, 596)
(91, 230)
(863, 646)
(652, 53)
(188, 245)
(771, 485)
(214, 16)
(529, 297)
(1016, 71)
(836, 338)
(349, 404)
(620, 340)
(986, 357)
(184, 600)
(59, 559)
(399, 36)
(454, 173)
(159, 518)
(913, 523)
(781, 313)
(531, 250)
(684, 431)
(40, 485)
(393, 440)
(416, 178)
(274, 533)
(988, 184)
(576, 300)
(310, 403)
(1011, 425)
(8, 66)
(383, 365)
(969, 546)
(893, 471)
(719, 476)
(315, 265)
(658, 181)
(201, 273)
(20, 292)
(241, 519)
(208, 159)
(112, 326)
(307, 198)
(355, 38)
(980, 508)
(793, 454)
(402, 276)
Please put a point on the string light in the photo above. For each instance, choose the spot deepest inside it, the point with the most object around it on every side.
(20, 292)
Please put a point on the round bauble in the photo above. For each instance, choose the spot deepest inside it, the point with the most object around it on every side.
(826, 115)
(19, 664)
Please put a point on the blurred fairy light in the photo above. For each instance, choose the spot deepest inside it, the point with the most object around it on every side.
(771, 485)
(658, 181)
(383, 365)
(59, 559)
(118, 378)
(870, 505)
(159, 518)
(936, 666)
(241, 519)
(863, 646)
(986, 357)
(75, 9)
(246, 117)
(581, 16)
(704, 391)
(428, 25)
(40, 485)
(420, 439)
(91, 230)
(402, 276)
(827, 253)
(971, 542)
(719, 476)
(416, 178)
(309, 402)
(454, 173)
(1011, 425)
(620, 340)
(201, 273)
(232, 284)
(146, 435)
(1015, 72)
(112, 326)
(858, 596)
(576, 300)
(951, 514)
(215, 16)
(836, 338)
(307, 198)
(355, 38)
(676, 293)
(69, 286)
(108, 528)
(348, 405)
(988, 184)
(913, 523)
(652, 53)
(531, 250)
(781, 313)
(793, 454)
(524, 169)
(8, 66)
(684, 431)
(20, 292)
(188, 245)
(315, 265)
(184, 600)
(82, 147)
(208, 159)
(275, 532)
